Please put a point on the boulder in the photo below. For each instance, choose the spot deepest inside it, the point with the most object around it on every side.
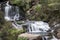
(31, 36)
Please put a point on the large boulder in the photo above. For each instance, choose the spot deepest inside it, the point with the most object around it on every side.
(31, 36)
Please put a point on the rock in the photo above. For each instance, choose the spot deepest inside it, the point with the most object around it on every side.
(38, 38)
(58, 35)
(57, 32)
(31, 36)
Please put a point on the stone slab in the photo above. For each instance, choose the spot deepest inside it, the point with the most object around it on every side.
(29, 36)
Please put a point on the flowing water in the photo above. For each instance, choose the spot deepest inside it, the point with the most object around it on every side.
(38, 26)
(11, 12)
(35, 27)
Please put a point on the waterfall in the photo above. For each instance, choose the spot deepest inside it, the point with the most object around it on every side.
(38, 26)
(7, 8)
(11, 12)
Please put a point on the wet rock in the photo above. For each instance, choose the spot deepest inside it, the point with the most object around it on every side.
(57, 32)
(58, 35)
(38, 38)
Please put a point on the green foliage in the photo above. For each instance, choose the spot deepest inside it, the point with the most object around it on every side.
(40, 11)
(21, 38)
(38, 8)
(18, 2)
(1, 18)
(53, 1)
(23, 3)
(7, 32)
(46, 10)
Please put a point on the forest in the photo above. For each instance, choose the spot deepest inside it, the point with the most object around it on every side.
(33, 10)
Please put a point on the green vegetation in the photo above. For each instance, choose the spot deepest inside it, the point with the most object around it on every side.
(7, 32)
(45, 10)
(20, 22)
(21, 38)
(39, 9)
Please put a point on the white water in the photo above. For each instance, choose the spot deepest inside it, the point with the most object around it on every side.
(7, 8)
(10, 14)
(38, 26)
(33, 27)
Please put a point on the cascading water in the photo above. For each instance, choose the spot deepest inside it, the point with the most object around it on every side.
(7, 8)
(35, 27)
(38, 26)
(11, 12)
